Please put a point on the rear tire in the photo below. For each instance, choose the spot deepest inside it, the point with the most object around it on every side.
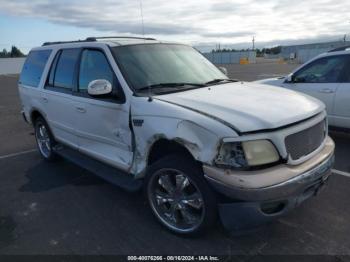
(179, 195)
(44, 139)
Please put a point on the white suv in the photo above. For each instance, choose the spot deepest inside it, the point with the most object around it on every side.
(326, 77)
(140, 112)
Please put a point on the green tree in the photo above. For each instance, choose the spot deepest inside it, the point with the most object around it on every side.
(4, 53)
(15, 52)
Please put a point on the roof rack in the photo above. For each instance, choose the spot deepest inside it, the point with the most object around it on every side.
(343, 48)
(94, 39)
(118, 37)
(64, 42)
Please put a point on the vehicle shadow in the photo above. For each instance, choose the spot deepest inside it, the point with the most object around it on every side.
(46, 176)
(7, 228)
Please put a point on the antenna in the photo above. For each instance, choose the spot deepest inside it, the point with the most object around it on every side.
(141, 10)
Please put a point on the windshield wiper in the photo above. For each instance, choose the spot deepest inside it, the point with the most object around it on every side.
(219, 80)
(169, 85)
(164, 87)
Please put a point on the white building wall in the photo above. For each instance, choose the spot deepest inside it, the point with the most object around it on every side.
(304, 55)
(230, 57)
(11, 65)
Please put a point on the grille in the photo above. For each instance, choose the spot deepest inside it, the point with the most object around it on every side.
(306, 141)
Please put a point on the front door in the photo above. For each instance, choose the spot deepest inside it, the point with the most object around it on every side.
(320, 79)
(102, 123)
(342, 99)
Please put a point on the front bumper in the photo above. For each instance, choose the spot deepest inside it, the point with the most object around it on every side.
(259, 196)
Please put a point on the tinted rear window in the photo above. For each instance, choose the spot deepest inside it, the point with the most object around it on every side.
(34, 67)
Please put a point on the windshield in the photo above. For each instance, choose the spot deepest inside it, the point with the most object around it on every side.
(156, 65)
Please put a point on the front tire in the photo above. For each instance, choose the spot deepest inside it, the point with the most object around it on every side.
(44, 139)
(179, 196)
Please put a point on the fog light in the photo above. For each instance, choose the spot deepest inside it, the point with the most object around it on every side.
(272, 207)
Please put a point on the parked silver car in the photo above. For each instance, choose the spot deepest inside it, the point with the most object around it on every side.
(326, 77)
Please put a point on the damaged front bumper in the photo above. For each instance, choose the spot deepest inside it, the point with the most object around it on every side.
(261, 196)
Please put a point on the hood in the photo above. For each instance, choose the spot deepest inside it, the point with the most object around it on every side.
(247, 106)
(277, 81)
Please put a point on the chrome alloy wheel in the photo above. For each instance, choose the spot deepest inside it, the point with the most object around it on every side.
(43, 140)
(176, 200)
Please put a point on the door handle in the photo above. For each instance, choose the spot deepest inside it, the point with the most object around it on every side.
(44, 99)
(81, 109)
(326, 90)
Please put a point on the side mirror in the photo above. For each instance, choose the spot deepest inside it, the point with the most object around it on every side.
(290, 78)
(224, 70)
(99, 87)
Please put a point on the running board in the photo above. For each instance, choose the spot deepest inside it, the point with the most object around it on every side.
(106, 172)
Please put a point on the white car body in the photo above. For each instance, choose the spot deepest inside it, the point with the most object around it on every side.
(123, 135)
(335, 95)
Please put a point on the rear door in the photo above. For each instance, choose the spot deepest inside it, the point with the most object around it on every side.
(102, 123)
(320, 79)
(57, 97)
(341, 112)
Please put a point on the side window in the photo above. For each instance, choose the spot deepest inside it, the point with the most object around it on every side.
(346, 72)
(323, 70)
(62, 73)
(93, 65)
(34, 67)
(51, 79)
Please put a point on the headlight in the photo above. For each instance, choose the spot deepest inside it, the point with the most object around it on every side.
(260, 152)
(247, 153)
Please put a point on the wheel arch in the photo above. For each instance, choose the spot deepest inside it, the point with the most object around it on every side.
(35, 113)
(164, 147)
(173, 136)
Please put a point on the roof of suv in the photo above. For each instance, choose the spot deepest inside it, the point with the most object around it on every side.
(345, 50)
(111, 41)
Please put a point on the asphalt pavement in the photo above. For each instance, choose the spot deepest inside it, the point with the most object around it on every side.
(59, 208)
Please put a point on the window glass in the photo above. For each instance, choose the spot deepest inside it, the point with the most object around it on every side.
(346, 71)
(52, 69)
(34, 67)
(323, 70)
(65, 69)
(93, 66)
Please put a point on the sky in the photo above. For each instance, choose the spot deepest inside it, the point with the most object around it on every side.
(204, 23)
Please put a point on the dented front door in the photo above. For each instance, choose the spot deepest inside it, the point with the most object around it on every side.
(102, 123)
(103, 131)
